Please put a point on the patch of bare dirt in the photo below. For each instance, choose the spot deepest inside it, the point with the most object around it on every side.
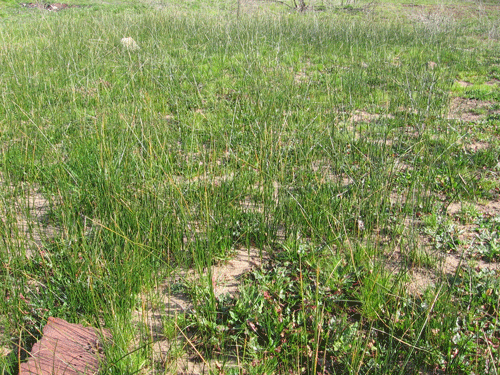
(468, 109)
(493, 82)
(420, 278)
(169, 301)
(402, 198)
(477, 146)
(5, 349)
(300, 77)
(433, 18)
(363, 116)
(24, 225)
(225, 280)
(225, 277)
(249, 205)
(25, 214)
(324, 168)
(215, 180)
(55, 7)
(464, 83)
(490, 208)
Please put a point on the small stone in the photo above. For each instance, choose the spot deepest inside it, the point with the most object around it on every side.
(130, 44)
(360, 225)
(56, 7)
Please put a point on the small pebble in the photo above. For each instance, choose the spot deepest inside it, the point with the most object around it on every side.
(130, 44)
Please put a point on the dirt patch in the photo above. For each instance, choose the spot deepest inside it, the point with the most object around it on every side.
(5, 349)
(25, 214)
(469, 109)
(225, 280)
(493, 82)
(463, 83)
(226, 276)
(421, 278)
(434, 19)
(477, 146)
(363, 116)
(24, 224)
(214, 180)
(324, 168)
(490, 208)
(50, 7)
(300, 77)
(445, 263)
(168, 301)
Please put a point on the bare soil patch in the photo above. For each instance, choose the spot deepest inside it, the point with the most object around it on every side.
(447, 263)
(167, 302)
(55, 7)
(477, 146)
(421, 278)
(363, 116)
(464, 83)
(490, 208)
(469, 109)
(493, 82)
(26, 214)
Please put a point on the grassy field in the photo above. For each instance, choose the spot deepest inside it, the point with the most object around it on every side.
(351, 151)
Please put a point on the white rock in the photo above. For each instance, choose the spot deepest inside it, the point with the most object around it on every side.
(130, 44)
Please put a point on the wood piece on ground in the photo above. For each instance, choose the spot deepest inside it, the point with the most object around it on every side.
(66, 348)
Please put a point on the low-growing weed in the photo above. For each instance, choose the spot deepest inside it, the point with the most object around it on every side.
(487, 242)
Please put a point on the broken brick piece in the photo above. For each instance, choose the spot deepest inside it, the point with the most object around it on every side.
(66, 349)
